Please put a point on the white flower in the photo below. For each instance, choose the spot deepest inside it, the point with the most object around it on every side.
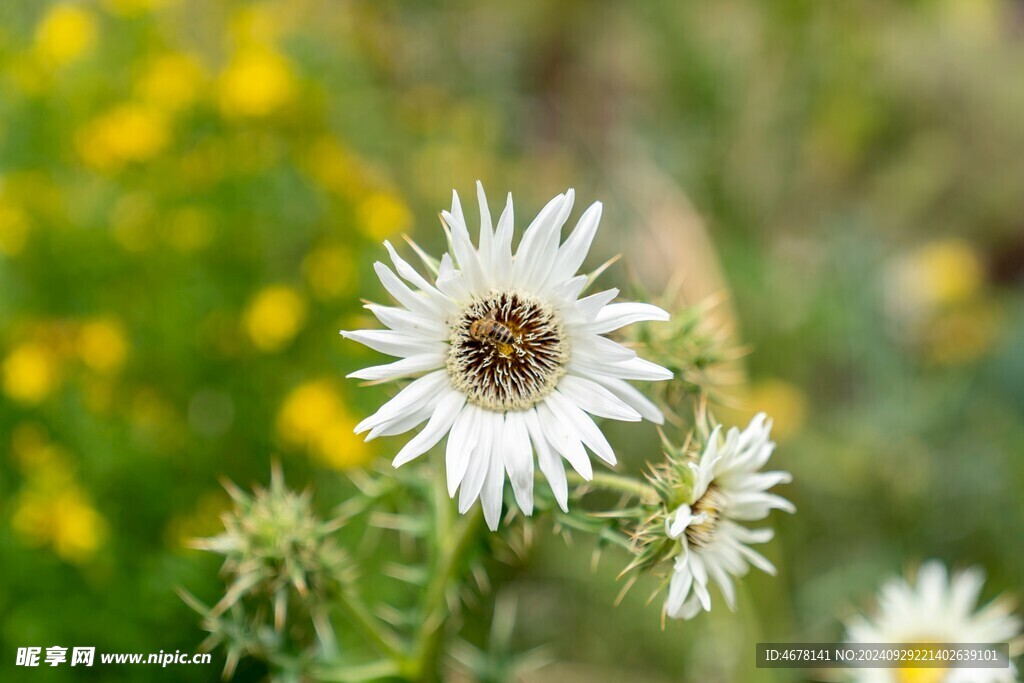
(727, 489)
(937, 608)
(513, 361)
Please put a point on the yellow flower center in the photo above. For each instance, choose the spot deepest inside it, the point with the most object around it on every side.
(710, 504)
(930, 675)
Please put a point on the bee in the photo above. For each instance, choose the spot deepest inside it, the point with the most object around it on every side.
(489, 331)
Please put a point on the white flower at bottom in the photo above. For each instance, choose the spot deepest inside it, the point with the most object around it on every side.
(513, 362)
(728, 488)
(936, 608)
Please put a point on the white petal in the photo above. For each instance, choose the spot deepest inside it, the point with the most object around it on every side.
(440, 422)
(402, 368)
(451, 282)
(595, 399)
(404, 423)
(690, 608)
(568, 291)
(601, 349)
(407, 322)
(591, 305)
(678, 590)
(479, 461)
(414, 301)
(965, 589)
(757, 559)
(410, 274)
(494, 483)
(501, 254)
(633, 397)
(531, 245)
(637, 368)
(582, 423)
(677, 523)
(615, 316)
(394, 343)
(457, 208)
(407, 401)
(725, 584)
(549, 462)
(700, 583)
(752, 507)
(762, 481)
(461, 440)
(539, 248)
(519, 459)
(573, 252)
(753, 536)
(461, 243)
(486, 230)
(564, 439)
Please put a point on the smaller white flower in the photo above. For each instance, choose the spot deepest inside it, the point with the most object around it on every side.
(728, 488)
(936, 608)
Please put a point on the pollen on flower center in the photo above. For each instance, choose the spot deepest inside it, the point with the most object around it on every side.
(710, 505)
(507, 351)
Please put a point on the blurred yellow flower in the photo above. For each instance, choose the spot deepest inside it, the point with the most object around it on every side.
(31, 372)
(127, 133)
(383, 214)
(172, 82)
(59, 516)
(943, 273)
(13, 230)
(274, 317)
(66, 32)
(785, 404)
(329, 270)
(256, 82)
(978, 19)
(339, 447)
(337, 169)
(102, 345)
(313, 417)
(307, 410)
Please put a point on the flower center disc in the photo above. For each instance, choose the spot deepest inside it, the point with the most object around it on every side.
(700, 535)
(507, 351)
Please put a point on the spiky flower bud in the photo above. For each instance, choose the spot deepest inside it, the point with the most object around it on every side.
(281, 566)
(696, 345)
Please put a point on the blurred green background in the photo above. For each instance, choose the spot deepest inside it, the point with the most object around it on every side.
(192, 195)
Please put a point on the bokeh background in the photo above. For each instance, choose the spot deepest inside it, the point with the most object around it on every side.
(192, 195)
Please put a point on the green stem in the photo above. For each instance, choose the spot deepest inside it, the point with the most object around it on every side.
(617, 482)
(360, 673)
(386, 640)
(452, 550)
(600, 529)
